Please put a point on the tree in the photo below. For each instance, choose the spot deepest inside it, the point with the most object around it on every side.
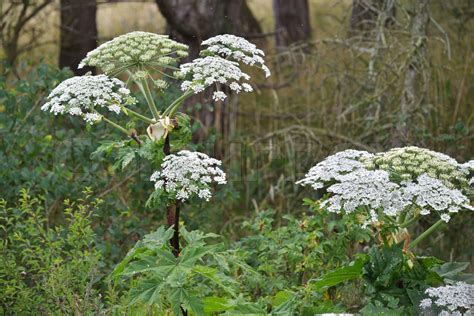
(367, 13)
(411, 96)
(292, 23)
(191, 21)
(14, 18)
(78, 33)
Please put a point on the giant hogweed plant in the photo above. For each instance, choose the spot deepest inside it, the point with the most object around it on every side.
(163, 275)
(387, 193)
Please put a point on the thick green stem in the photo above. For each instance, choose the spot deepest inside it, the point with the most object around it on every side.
(149, 98)
(170, 110)
(139, 116)
(120, 128)
(425, 234)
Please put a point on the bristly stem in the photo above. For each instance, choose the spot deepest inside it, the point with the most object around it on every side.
(425, 234)
(172, 211)
(139, 116)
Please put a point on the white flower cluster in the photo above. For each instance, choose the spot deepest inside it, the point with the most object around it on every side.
(81, 95)
(371, 184)
(468, 167)
(211, 70)
(367, 189)
(333, 167)
(431, 194)
(135, 49)
(457, 299)
(408, 163)
(235, 48)
(187, 174)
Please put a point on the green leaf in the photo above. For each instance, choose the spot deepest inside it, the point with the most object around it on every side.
(148, 292)
(214, 305)
(213, 275)
(451, 269)
(335, 277)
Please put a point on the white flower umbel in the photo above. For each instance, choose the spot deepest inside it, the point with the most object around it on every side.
(431, 194)
(187, 174)
(80, 96)
(216, 71)
(457, 299)
(334, 166)
(237, 49)
(367, 191)
(135, 49)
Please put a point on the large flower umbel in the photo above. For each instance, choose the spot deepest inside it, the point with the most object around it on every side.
(188, 174)
(81, 96)
(135, 49)
(403, 181)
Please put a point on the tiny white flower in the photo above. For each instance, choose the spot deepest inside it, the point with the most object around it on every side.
(219, 96)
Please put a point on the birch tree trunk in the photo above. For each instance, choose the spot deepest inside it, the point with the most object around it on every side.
(412, 94)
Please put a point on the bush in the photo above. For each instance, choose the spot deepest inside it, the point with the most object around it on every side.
(48, 269)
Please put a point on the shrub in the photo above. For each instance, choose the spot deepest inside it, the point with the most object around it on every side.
(48, 269)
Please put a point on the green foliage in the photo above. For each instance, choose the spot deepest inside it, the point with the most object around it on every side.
(48, 269)
(163, 281)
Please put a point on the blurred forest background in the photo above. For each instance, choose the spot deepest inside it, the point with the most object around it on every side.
(361, 74)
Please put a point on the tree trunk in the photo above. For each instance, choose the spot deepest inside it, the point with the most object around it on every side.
(411, 94)
(78, 33)
(365, 14)
(191, 22)
(292, 23)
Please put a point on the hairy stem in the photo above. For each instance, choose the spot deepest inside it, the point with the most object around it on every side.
(172, 211)
(425, 234)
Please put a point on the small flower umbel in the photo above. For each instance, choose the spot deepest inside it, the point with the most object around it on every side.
(209, 71)
(84, 96)
(220, 66)
(236, 49)
(188, 174)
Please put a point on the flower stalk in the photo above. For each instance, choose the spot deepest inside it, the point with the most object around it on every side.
(425, 234)
(145, 89)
